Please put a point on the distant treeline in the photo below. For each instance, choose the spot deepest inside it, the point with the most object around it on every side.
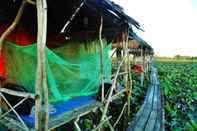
(177, 57)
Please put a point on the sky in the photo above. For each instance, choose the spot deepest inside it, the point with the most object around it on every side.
(170, 25)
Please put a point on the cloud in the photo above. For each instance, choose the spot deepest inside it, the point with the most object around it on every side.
(170, 25)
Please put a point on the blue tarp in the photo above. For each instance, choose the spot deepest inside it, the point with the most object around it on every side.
(61, 107)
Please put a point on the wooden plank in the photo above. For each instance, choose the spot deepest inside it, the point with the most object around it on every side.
(149, 118)
(144, 112)
(147, 111)
(140, 111)
(154, 112)
(158, 125)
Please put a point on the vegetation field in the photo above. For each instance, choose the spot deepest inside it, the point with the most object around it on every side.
(179, 85)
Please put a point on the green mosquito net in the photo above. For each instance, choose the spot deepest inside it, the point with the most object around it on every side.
(72, 70)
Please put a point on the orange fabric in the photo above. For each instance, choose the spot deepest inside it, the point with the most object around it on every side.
(2, 68)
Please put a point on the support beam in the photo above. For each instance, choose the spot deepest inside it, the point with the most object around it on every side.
(17, 93)
(101, 59)
(41, 80)
(142, 64)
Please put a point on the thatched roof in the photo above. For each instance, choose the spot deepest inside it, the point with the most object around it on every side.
(60, 11)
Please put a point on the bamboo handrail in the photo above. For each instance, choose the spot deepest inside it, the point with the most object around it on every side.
(17, 93)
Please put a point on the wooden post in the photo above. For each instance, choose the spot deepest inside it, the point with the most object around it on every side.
(41, 71)
(126, 78)
(101, 60)
(142, 64)
(134, 58)
(125, 54)
(128, 69)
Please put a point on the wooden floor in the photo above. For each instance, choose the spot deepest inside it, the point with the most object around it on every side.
(149, 117)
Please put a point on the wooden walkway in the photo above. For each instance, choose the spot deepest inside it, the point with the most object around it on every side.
(150, 115)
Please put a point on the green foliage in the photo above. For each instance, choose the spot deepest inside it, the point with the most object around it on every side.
(179, 83)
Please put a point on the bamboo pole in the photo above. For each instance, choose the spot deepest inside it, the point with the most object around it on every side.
(31, 2)
(109, 99)
(121, 113)
(101, 59)
(72, 17)
(41, 71)
(18, 116)
(10, 29)
(113, 52)
(17, 93)
(13, 25)
(101, 123)
(14, 107)
(126, 69)
(142, 63)
(128, 75)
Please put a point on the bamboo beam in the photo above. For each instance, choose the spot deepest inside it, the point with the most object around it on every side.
(113, 53)
(101, 59)
(19, 103)
(31, 2)
(17, 93)
(41, 80)
(13, 25)
(72, 17)
(128, 69)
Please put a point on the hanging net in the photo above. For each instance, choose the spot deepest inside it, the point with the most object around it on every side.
(72, 70)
